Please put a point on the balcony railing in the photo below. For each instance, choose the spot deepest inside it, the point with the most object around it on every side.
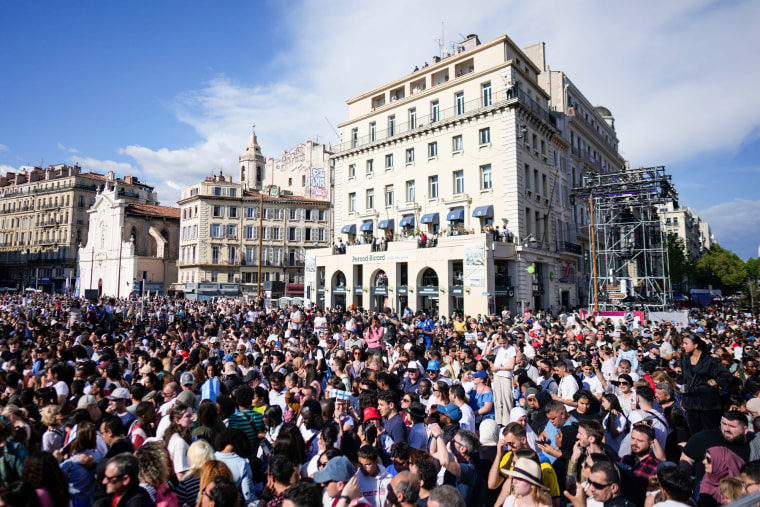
(499, 99)
(590, 128)
(566, 246)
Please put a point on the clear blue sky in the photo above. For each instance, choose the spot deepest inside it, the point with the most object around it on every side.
(168, 90)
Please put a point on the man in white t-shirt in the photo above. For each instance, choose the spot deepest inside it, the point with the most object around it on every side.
(373, 478)
(567, 387)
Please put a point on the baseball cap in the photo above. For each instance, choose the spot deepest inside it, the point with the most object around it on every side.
(339, 469)
(412, 365)
(187, 379)
(120, 393)
(433, 365)
(451, 411)
(372, 413)
(86, 400)
(480, 374)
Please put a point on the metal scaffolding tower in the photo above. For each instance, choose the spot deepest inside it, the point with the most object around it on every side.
(629, 248)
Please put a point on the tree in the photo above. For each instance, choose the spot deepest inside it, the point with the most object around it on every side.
(722, 269)
(681, 267)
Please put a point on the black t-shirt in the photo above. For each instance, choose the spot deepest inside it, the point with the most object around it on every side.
(699, 443)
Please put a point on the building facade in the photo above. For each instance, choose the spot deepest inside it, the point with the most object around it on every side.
(460, 151)
(593, 147)
(305, 170)
(129, 242)
(694, 231)
(223, 234)
(44, 219)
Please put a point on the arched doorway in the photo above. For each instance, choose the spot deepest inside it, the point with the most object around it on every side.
(428, 291)
(379, 291)
(338, 289)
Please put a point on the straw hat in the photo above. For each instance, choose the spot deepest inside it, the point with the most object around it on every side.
(527, 470)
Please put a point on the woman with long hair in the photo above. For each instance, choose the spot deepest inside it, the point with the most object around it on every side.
(289, 443)
(154, 473)
(210, 471)
(208, 423)
(178, 437)
(199, 453)
(357, 363)
(527, 488)
(81, 479)
(441, 392)
(704, 378)
(614, 420)
(42, 472)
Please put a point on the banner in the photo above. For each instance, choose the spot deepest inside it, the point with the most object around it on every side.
(474, 266)
(680, 318)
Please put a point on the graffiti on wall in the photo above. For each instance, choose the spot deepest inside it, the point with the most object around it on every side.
(316, 185)
(293, 161)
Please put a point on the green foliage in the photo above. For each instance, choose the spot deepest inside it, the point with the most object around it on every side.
(680, 266)
(722, 269)
(753, 268)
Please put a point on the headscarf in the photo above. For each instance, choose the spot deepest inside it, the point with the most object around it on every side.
(515, 414)
(725, 463)
(569, 436)
(489, 432)
(538, 418)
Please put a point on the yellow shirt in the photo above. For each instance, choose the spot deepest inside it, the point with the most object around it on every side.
(548, 475)
(459, 326)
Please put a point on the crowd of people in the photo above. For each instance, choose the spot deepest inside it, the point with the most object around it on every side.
(177, 403)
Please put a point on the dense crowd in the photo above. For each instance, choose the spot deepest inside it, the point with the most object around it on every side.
(177, 403)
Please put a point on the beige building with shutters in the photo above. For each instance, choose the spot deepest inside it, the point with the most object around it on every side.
(456, 150)
(220, 227)
(44, 220)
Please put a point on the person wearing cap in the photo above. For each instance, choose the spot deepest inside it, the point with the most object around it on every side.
(187, 381)
(117, 405)
(457, 462)
(412, 381)
(448, 420)
(340, 483)
(417, 437)
(528, 489)
(434, 371)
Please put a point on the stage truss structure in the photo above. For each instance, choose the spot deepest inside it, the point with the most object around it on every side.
(629, 247)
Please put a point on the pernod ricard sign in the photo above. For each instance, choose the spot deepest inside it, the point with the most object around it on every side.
(380, 257)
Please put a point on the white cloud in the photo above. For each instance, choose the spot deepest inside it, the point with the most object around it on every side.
(4, 147)
(102, 166)
(674, 74)
(735, 225)
(64, 148)
(5, 168)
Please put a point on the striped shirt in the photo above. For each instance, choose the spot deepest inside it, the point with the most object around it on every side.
(252, 423)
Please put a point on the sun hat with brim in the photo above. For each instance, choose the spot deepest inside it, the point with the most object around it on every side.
(527, 470)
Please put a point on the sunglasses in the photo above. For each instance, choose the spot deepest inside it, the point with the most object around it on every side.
(708, 460)
(596, 485)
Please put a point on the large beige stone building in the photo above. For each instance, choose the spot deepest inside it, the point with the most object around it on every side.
(220, 231)
(590, 131)
(694, 231)
(460, 147)
(44, 219)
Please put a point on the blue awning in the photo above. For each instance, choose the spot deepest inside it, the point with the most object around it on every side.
(430, 218)
(385, 224)
(348, 229)
(366, 226)
(407, 221)
(456, 215)
(483, 211)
